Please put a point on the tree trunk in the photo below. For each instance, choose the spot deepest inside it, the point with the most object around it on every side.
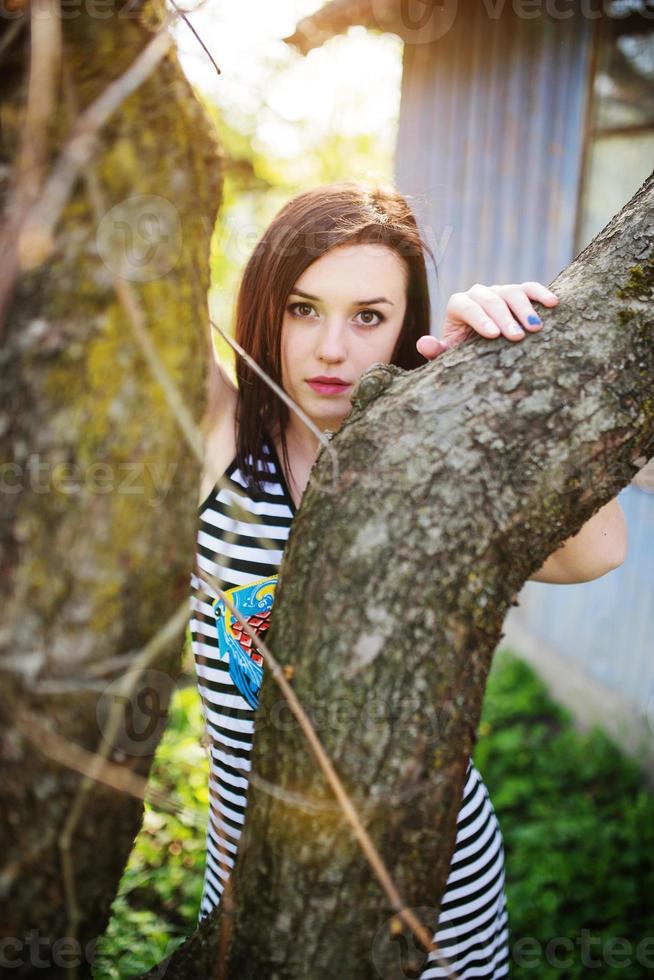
(99, 490)
(457, 481)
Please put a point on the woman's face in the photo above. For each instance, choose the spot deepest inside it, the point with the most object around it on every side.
(345, 313)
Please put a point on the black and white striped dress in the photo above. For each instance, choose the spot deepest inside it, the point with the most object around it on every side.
(473, 927)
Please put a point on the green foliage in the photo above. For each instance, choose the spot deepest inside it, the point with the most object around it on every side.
(578, 829)
(159, 897)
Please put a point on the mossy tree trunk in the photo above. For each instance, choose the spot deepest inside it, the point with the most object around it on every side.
(458, 480)
(99, 489)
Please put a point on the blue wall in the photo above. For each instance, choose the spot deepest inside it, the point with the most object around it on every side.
(607, 625)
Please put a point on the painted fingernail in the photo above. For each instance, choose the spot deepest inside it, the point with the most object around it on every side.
(514, 331)
(533, 319)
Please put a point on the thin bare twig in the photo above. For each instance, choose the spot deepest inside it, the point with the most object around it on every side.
(365, 841)
(196, 35)
(45, 60)
(96, 769)
(109, 773)
(26, 239)
(98, 760)
(322, 437)
(36, 236)
(137, 322)
(11, 33)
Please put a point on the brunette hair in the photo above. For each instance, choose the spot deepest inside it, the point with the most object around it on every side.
(347, 212)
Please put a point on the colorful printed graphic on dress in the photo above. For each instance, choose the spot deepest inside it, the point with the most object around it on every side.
(254, 602)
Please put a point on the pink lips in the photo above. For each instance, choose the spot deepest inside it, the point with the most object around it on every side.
(328, 386)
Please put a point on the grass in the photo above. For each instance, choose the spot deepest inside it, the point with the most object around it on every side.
(577, 824)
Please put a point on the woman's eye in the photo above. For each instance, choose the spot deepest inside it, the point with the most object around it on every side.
(371, 313)
(301, 309)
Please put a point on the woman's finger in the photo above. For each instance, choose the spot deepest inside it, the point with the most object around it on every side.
(462, 309)
(430, 346)
(497, 308)
(517, 300)
(540, 293)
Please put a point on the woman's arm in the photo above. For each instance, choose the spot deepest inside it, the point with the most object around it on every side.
(597, 548)
(217, 424)
(220, 387)
(495, 311)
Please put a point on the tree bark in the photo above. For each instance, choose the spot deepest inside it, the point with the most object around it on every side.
(99, 491)
(458, 479)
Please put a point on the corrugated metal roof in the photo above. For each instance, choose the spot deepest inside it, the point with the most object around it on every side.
(337, 16)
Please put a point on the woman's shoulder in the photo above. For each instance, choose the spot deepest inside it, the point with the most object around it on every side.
(219, 444)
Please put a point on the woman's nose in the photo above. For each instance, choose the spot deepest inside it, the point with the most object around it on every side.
(331, 344)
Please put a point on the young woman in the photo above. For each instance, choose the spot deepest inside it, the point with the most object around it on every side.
(337, 283)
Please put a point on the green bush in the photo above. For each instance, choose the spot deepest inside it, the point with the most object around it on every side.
(578, 829)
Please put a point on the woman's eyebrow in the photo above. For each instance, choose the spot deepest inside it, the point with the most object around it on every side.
(358, 302)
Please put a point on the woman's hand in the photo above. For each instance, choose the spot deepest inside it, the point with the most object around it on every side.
(492, 311)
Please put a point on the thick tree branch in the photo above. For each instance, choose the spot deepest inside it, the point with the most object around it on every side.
(457, 481)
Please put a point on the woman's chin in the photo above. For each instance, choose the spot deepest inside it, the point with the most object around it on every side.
(327, 420)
